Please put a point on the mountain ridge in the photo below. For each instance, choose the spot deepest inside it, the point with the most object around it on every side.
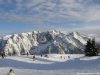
(43, 42)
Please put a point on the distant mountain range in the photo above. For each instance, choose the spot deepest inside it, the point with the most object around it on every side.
(43, 42)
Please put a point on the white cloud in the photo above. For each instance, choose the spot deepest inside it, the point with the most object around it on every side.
(47, 10)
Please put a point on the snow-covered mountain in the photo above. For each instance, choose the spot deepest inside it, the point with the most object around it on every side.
(43, 42)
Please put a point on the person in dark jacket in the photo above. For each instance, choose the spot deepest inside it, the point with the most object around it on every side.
(33, 57)
(27, 53)
(11, 72)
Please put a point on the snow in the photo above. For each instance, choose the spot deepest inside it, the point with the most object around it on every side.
(31, 41)
(76, 35)
(97, 40)
(51, 65)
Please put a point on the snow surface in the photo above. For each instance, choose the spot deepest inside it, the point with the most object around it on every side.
(51, 65)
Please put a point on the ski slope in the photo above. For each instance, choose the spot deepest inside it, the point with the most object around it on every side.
(54, 64)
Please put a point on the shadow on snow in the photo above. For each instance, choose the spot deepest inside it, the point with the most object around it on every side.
(69, 64)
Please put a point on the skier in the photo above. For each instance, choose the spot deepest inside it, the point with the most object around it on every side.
(11, 72)
(68, 57)
(61, 57)
(33, 57)
(2, 55)
(27, 53)
(41, 55)
(46, 55)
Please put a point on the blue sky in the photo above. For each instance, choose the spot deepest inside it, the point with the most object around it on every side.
(67, 15)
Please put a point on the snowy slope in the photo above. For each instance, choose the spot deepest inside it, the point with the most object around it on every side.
(53, 65)
(43, 42)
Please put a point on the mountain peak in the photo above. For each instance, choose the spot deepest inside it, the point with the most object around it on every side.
(42, 42)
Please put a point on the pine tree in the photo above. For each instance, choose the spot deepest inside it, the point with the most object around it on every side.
(91, 49)
(88, 48)
(95, 51)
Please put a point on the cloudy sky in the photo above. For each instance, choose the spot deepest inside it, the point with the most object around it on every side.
(67, 15)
